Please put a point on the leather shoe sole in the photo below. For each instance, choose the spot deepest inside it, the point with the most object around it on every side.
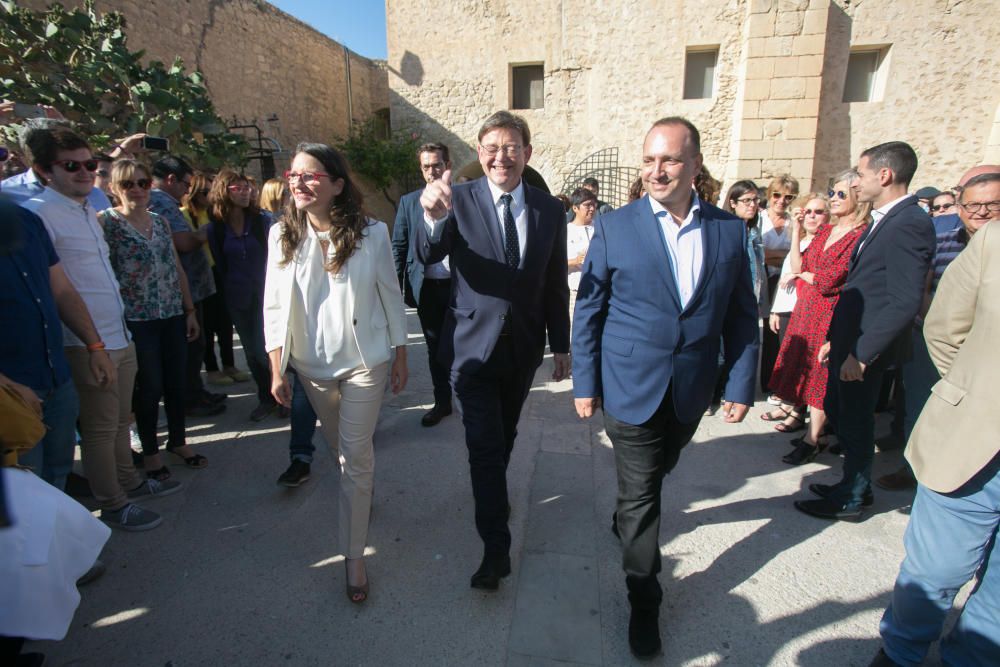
(824, 491)
(490, 572)
(826, 509)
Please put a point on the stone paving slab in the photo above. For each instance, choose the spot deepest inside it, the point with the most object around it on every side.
(243, 572)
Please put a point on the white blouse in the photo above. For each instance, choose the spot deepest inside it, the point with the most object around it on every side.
(577, 241)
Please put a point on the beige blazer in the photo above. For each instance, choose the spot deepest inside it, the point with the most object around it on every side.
(958, 431)
(379, 314)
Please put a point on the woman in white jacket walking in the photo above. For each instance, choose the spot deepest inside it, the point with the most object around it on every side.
(333, 310)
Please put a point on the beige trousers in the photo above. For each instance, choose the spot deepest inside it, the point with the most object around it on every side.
(104, 422)
(348, 410)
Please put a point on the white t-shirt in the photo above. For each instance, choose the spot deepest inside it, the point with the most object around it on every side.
(772, 239)
(577, 241)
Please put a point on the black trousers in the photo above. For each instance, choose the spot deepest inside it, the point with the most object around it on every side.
(434, 297)
(491, 399)
(644, 454)
(194, 387)
(218, 324)
(161, 355)
(770, 342)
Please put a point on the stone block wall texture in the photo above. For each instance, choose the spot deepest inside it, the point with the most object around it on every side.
(259, 61)
(611, 68)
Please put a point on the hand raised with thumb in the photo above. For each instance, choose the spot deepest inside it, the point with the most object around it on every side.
(436, 197)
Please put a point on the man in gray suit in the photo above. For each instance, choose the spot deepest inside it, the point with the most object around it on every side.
(426, 288)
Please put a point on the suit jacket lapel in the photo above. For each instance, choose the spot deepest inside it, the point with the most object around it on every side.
(488, 215)
(533, 226)
(709, 255)
(652, 238)
(869, 235)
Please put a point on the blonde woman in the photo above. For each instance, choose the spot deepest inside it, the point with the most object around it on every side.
(333, 311)
(274, 196)
(776, 237)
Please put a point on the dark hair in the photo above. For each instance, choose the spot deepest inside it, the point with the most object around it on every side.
(678, 120)
(591, 182)
(219, 202)
(171, 165)
(564, 200)
(46, 144)
(346, 211)
(435, 148)
(581, 195)
(897, 156)
(508, 121)
(737, 190)
(200, 180)
(980, 179)
(636, 190)
(103, 157)
(707, 187)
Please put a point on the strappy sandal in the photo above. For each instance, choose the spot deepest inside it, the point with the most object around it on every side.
(196, 461)
(771, 417)
(356, 594)
(797, 425)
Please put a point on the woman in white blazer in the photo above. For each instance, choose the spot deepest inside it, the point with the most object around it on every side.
(333, 310)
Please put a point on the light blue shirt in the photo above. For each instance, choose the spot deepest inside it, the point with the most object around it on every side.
(22, 187)
(684, 246)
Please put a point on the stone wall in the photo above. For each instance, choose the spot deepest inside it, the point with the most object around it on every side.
(259, 62)
(611, 68)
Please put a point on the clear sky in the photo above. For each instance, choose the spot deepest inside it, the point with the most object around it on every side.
(357, 24)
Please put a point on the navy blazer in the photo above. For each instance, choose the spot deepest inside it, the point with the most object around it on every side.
(631, 338)
(409, 268)
(484, 289)
(884, 287)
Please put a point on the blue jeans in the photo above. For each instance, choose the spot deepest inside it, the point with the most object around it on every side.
(52, 458)
(951, 538)
(303, 422)
(249, 323)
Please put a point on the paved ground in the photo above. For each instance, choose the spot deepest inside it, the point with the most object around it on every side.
(244, 572)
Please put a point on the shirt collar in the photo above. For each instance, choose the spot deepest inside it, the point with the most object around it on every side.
(659, 210)
(881, 211)
(517, 194)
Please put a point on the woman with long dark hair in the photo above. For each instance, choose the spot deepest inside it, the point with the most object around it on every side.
(333, 311)
(237, 235)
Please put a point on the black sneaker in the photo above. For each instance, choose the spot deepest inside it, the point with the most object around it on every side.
(204, 409)
(296, 475)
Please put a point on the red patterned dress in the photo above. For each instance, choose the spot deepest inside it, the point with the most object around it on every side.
(798, 377)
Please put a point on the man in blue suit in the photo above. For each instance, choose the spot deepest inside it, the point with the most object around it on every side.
(426, 288)
(665, 278)
(506, 243)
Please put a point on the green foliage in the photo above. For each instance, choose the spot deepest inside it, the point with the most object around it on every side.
(79, 62)
(383, 160)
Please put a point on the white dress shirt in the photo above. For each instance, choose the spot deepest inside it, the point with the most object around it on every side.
(577, 241)
(684, 246)
(83, 253)
(323, 345)
(517, 209)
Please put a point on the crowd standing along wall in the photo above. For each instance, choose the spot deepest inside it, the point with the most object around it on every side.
(611, 68)
(258, 63)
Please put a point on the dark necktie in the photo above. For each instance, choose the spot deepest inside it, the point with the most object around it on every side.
(511, 246)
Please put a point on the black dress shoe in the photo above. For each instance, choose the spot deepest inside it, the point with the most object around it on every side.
(213, 398)
(827, 509)
(435, 415)
(882, 660)
(824, 491)
(644, 632)
(490, 572)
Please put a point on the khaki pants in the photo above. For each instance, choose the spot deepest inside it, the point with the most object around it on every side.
(104, 422)
(348, 409)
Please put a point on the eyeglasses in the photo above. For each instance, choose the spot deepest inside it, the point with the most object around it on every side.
(837, 194)
(748, 201)
(941, 207)
(986, 206)
(239, 187)
(510, 150)
(776, 196)
(306, 177)
(814, 211)
(73, 166)
(143, 183)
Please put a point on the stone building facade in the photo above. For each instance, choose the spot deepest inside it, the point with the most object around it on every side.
(775, 104)
(260, 63)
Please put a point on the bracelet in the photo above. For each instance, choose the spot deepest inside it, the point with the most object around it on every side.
(94, 347)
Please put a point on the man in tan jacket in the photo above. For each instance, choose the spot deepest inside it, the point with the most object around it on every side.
(954, 453)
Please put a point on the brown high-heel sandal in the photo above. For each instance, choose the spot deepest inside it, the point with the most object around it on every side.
(356, 594)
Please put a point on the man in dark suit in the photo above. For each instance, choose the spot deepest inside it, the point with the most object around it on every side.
(426, 288)
(870, 329)
(506, 243)
(665, 278)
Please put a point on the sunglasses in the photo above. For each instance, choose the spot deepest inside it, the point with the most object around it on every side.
(143, 183)
(837, 194)
(940, 207)
(239, 188)
(73, 166)
(778, 196)
(814, 211)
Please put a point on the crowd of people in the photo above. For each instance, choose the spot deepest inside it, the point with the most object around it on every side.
(124, 270)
